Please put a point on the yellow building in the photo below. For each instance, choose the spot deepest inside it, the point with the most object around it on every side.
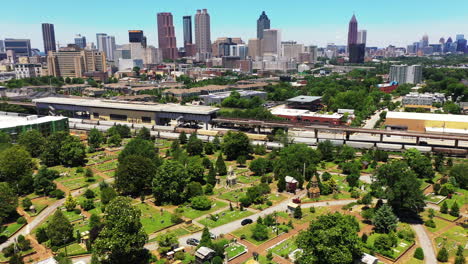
(426, 122)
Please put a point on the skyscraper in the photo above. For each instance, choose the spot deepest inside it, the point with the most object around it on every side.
(352, 31)
(263, 23)
(135, 36)
(166, 36)
(187, 29)
(203, 33)
(425, 41)
(271, 42)
(48, 36)
(362, 37)
(80, 41)
(21, 47)
(106, 44)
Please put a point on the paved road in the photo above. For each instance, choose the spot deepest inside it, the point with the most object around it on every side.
(43, 216)
(425, 243)
(230, 227)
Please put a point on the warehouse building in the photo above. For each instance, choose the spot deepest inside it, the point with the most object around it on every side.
(15, 124)
(426, 122)
(312, 103)
(217, 98)
(306, 116)
(148, 113)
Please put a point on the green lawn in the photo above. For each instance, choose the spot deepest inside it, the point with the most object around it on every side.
(73, 249)
(178, 232)
(402, 245)
(434, 198)
(110, 173)
(452, 238)
(247, 232)
(285, 248)
(100, 157)
(72, 216)
(248, 179)
(415, 261)
(39, 208)
(261, 259)
(439, 225)
(232, 196)
(225, 217)
(234, 250)
(152, 219)
(77, 182)
(106, 166)
(191, 213)
(24, 253)
(11, 229)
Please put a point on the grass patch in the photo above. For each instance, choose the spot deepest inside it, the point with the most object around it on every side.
(23, 253)
(73, 249)
(225, 217)
(247, 232)
(39, 208)
(193, 228)
(234, 250)
(178, 232)
(400, 248)
(11, 229)
(434, 198)
(72, 216)
(106, 166)
(415, 261)
(285, 248)
(232, 196)
(451, 239)
(152, 219)
(191, 213)
(110, 174)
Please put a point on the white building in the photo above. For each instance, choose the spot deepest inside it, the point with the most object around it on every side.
(27, 70)
(106, 44)
(362, 36)
(271, 42)
(239, 50)
(406, 74)
(291, 50)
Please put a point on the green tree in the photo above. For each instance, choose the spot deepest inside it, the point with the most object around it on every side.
(140, 147)
(458, 172)
(43, 181)
(122, 238)
(332, 238)
(211, 178)
(166, 241)
(144, 133)
(72, 152)
(209, 148)
(51, 153)
(353, 179)
(385, 221)
(202, 203)
(194, 145)
(216, 143)
(455, 209)
(134, 174)
(298, 213)
(9, 201)
(114, 140)
(402, 187)
(33, 141)
(59, 229)
(95, 138)
(26, 203)
(442, 255)
(221, 166)
(326, 150)
(259, 232)
(16, 166)
(170, 182)
(70, 203)
(183, 137)
(241, 160)
(444, 207)
(195, 169)
(259, 166)
(236, 144)
(205, 240)
(107, 195)
(16, 259)
(194, 189)
(419, 163)
(123, 131)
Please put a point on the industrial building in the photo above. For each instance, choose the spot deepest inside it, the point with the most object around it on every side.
(15, 124)
(421, 100)
(301, 115)
(426, 122)
(149, 113)
(217, 98)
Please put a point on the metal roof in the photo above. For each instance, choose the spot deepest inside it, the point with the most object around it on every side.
(169, 108)
(428, 116)
(11, 120)
(304, 99)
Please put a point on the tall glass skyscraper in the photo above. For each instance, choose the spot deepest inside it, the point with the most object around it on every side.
(352, 31)
(187, 29)
(263, 23)
(48, 36)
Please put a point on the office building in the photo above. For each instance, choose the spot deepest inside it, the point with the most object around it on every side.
(15, 124)
(415, 99)
(238, 50)
(357, 53)
(459, 36)
(461, 44)
(2, 46)
(80, 41)
(27, 70)
(309, 55)
(291, 50)
(263, 23)
(362, 37)
(406, 74)
(255, 48)
(74, 63)
(21, 47)
(352, 31)
(48, 36)
(135, 36)
(166, 36)
(215, 47)
(187, 20)
(106, 44)
(271, 42)
(424, 41)
(203, 33)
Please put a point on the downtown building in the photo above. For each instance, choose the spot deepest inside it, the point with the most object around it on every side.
(405, 74)
(356, 42)
(189, 46)
(48, 37)
(106, 44)
(271, 42)
(203, 35)
(80, 41)
(19, 47)
(166, 36)
(263, 23)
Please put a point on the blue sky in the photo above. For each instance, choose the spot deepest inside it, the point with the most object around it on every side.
(397, 22)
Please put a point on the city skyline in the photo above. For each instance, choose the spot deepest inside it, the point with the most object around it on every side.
(317, 25)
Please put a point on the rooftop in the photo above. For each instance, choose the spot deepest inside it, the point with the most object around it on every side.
(304, 99)
(428, 116)
(301, 112)
(148, 107)
(8, 120)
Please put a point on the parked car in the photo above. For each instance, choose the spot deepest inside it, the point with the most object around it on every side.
(246, 221)
(296, 200)
(212, 236)
(193, 242)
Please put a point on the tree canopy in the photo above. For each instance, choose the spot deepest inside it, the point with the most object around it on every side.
(236, 144)
(170, 182)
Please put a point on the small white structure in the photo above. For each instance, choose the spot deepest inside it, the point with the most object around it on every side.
(369, 259)
(50, 260)
(231, 178)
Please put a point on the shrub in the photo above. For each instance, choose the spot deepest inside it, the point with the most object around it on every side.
(442, 255)
(77, 211)
(26, 203)
(269, 203)
(201, 203)
(430, 223)
(89, 194)
(312, 210)
(59, 194)
(41, 235)
(21, 220)
(176, 219)
(87, 204)
(419, 254)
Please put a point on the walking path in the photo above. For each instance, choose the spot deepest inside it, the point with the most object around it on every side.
(425, 243)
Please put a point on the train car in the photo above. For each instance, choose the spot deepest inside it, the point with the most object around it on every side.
(260, 137)
(451, 151)
(186, 130)
(210, 133)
